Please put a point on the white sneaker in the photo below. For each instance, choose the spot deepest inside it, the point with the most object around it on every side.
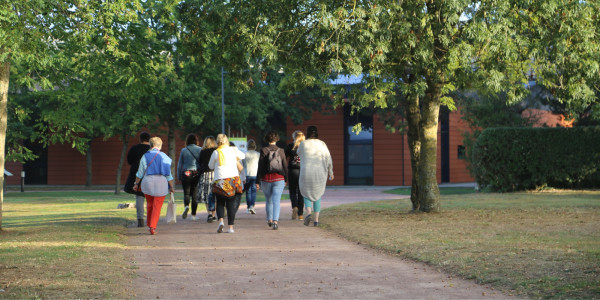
(220, 229)
(194, 218)
(230, 230)
(252, 211)
(247, 210)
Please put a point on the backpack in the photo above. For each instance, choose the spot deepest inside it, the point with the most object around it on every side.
(275, 162)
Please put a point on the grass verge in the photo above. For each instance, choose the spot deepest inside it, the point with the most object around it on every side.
(68, 244)
(443, 191)
(538, 245)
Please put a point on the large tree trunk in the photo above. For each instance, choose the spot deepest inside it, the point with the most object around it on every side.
(171, 137)
(414, 146)
(429, 193)
(125, 139)
(4, 77)
(88, 164)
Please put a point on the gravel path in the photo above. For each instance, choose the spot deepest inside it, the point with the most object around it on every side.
(190, 260)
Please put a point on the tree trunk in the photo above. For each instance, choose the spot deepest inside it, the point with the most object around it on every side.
(171, 149)
(414, 146)
(4, 79)
(125, 139)
(429, 193)
(88, 164)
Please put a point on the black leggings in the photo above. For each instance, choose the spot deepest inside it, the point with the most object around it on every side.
(231, 204)
(294, 187)
(190, 187)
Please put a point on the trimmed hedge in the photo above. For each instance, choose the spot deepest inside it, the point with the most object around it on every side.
(510, 159)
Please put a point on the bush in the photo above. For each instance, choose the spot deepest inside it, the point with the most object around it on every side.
(510, 159)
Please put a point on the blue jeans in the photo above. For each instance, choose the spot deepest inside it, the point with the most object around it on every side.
(250, 191)
(211, 202)
(273, 191)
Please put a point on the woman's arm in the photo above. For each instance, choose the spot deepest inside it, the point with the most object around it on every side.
(142, 168)
(171, 186)
(213, 160)
(180, 165)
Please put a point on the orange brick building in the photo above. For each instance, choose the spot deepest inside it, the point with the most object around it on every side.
(374, 157)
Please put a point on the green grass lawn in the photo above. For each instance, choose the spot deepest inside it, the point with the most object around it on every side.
(68, 245)
(443, 191)
(538, 245)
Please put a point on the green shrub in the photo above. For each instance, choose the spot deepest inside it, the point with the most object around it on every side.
(509, 159)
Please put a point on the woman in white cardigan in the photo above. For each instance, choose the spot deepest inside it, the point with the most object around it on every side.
(315, 167)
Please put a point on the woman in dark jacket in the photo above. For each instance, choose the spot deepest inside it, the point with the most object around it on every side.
(206, 178)
(272, 172)
(133, 158)
(294, 175)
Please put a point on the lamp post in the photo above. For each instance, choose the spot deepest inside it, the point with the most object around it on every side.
(222, 100)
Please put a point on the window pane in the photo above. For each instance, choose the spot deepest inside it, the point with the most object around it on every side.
(360, 154)
(364, 135)
(360, 174)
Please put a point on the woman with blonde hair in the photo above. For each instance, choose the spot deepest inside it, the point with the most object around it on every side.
(226, 184)
(294, 175)
(156, 180)
(206, 178)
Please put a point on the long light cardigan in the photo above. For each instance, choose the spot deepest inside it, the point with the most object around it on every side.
(315, 167)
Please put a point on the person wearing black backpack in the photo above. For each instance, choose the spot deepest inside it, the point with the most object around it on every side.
(272, 171)
(187, 172)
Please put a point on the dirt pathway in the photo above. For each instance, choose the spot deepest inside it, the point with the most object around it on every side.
(190, 260)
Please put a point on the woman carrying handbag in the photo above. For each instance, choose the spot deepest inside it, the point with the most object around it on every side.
(227, 181)
(188, 175)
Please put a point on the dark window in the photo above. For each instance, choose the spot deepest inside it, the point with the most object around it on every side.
(461, 152)
(359, 148)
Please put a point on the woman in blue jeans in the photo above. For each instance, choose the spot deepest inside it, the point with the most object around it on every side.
(272, 171)
(251, 167)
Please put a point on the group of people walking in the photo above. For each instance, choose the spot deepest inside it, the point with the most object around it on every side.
(218, 173)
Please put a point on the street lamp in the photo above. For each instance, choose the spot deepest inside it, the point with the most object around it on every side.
(222, 100)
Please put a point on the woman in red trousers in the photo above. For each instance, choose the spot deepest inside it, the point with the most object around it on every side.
(156, 180)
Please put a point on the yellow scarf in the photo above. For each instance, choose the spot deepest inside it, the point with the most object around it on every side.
(221, 155)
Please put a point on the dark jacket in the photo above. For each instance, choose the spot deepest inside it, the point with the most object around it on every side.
(293, 159)
(133, 159)
(204, 159)
(263, 162)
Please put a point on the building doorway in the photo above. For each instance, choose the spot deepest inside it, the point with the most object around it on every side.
(358, 150)
(36, 171)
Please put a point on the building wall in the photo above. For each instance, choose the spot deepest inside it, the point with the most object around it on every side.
(14, 168)
(67, 166)
(391, 161)
(391, 156)
(458, 167)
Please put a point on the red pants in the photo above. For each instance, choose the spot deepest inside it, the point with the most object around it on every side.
(153, 207)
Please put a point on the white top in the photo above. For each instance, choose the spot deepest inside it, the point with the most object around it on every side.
(251, 163)
(315, 166)
(229, 170)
